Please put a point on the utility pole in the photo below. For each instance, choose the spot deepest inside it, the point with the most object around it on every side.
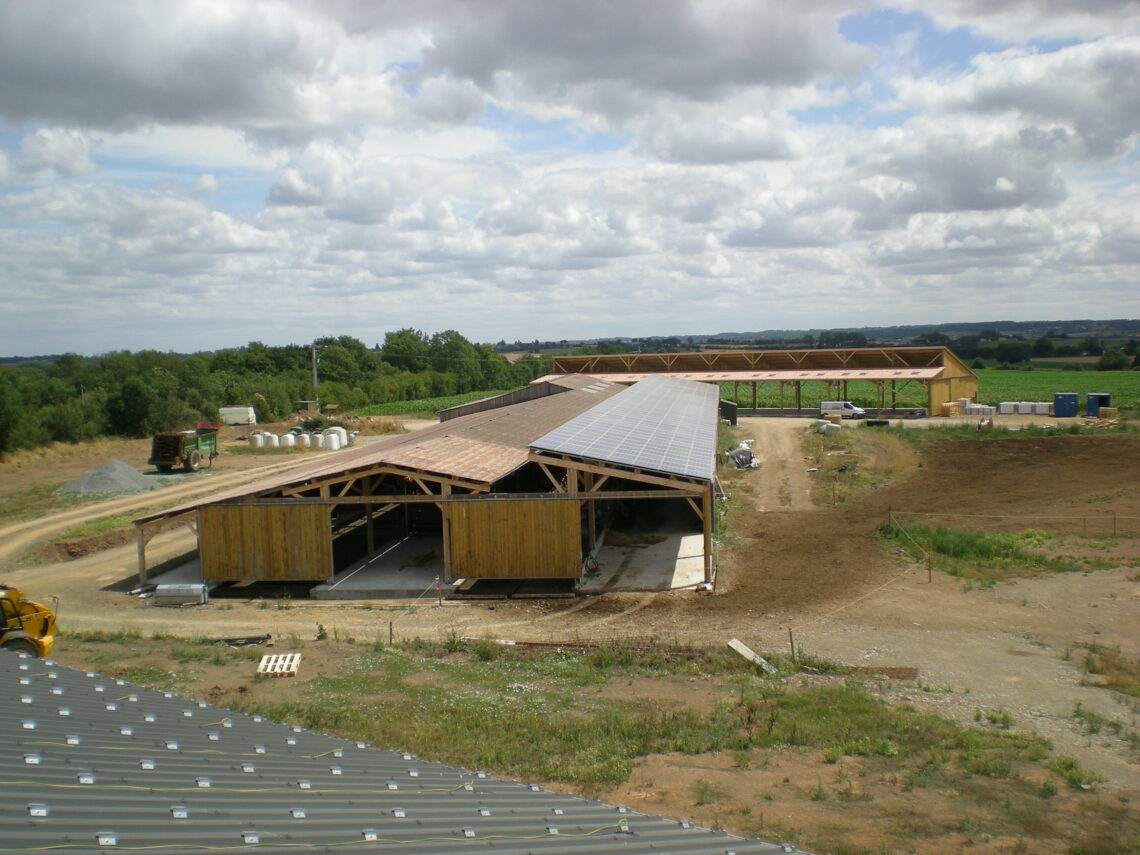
(316, 393)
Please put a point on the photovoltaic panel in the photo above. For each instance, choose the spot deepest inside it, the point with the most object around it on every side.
(660, 424)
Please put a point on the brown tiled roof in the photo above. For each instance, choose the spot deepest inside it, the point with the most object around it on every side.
(482, 447)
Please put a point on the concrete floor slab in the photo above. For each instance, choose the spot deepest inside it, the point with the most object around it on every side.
(405, 569)
(661, 562)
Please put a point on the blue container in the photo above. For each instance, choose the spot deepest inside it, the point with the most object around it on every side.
(1065, 405)
(1096, 400)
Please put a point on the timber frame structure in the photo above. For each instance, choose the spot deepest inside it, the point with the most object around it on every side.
(503, 508)
(902, 377)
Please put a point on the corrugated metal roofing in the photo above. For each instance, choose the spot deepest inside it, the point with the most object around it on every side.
(826, 374)
(661, 424)
(94, 764)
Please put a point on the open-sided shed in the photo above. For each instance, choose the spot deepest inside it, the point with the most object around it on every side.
(900, 377)
(517, 491)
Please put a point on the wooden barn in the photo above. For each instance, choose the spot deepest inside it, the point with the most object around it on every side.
(521, 487)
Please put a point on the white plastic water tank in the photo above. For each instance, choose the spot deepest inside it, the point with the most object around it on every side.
(318, 440)
(1043, 408)
(272, 441)
(303, 440)
(288, 440)
(332, 441)
(1007, 408)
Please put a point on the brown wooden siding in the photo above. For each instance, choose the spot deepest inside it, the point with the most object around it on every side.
(265, 542)
(515, 540)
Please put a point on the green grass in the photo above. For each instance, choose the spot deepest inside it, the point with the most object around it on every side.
(425, 407)
(984, 556)
(99, 526)
(526, 715)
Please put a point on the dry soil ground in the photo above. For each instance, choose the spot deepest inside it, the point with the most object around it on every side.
(787, 564)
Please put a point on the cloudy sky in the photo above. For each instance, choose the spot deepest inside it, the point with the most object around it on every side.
(195, 174)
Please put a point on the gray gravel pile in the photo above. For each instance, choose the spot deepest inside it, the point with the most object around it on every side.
(111, 478)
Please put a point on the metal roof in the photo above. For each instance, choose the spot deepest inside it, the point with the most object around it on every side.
(662, 424)
(95, 764)
(823, 374)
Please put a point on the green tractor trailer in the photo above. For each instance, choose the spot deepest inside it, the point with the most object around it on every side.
(187, 449)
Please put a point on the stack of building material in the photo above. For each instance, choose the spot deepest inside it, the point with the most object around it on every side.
(951, 408)
(981, 410)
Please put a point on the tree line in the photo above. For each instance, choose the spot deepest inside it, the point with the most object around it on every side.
(73, 398)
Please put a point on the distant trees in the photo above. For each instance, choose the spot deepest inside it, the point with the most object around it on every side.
(845, 338)
(75, 398)
(1113, 359)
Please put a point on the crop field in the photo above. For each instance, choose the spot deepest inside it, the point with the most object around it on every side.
(996, 385)
(424, 407)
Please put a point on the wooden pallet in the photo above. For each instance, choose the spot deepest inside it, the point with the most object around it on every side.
(279, 664)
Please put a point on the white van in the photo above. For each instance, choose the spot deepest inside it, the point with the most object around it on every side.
(842, 408)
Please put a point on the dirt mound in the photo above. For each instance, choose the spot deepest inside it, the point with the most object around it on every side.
(112, 478)
(77, 547)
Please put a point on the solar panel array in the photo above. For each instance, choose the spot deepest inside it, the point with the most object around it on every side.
(660, 424)
(95, 764)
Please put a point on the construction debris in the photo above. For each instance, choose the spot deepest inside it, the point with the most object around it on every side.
(243, 640)
(747, 652)
(1094, 422)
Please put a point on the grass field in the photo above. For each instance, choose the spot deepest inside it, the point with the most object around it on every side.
(425, 407)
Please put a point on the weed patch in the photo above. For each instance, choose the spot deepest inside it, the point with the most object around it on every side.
(987, 557)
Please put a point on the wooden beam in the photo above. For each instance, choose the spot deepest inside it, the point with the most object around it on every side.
(414, 499)
(707, 517)
(557, 484)
(615, 472)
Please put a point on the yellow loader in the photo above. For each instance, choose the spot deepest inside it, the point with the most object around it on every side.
(25, 626)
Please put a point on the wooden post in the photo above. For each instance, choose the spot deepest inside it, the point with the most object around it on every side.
(369, 535)
(590, 508)
(445, 526)
(140, 549)
(707, 513)
(792, 644)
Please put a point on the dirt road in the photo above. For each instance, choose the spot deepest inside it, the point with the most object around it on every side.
(785, 484)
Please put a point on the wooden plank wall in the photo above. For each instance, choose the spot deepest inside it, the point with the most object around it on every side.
(265, 542)
(515, 540)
